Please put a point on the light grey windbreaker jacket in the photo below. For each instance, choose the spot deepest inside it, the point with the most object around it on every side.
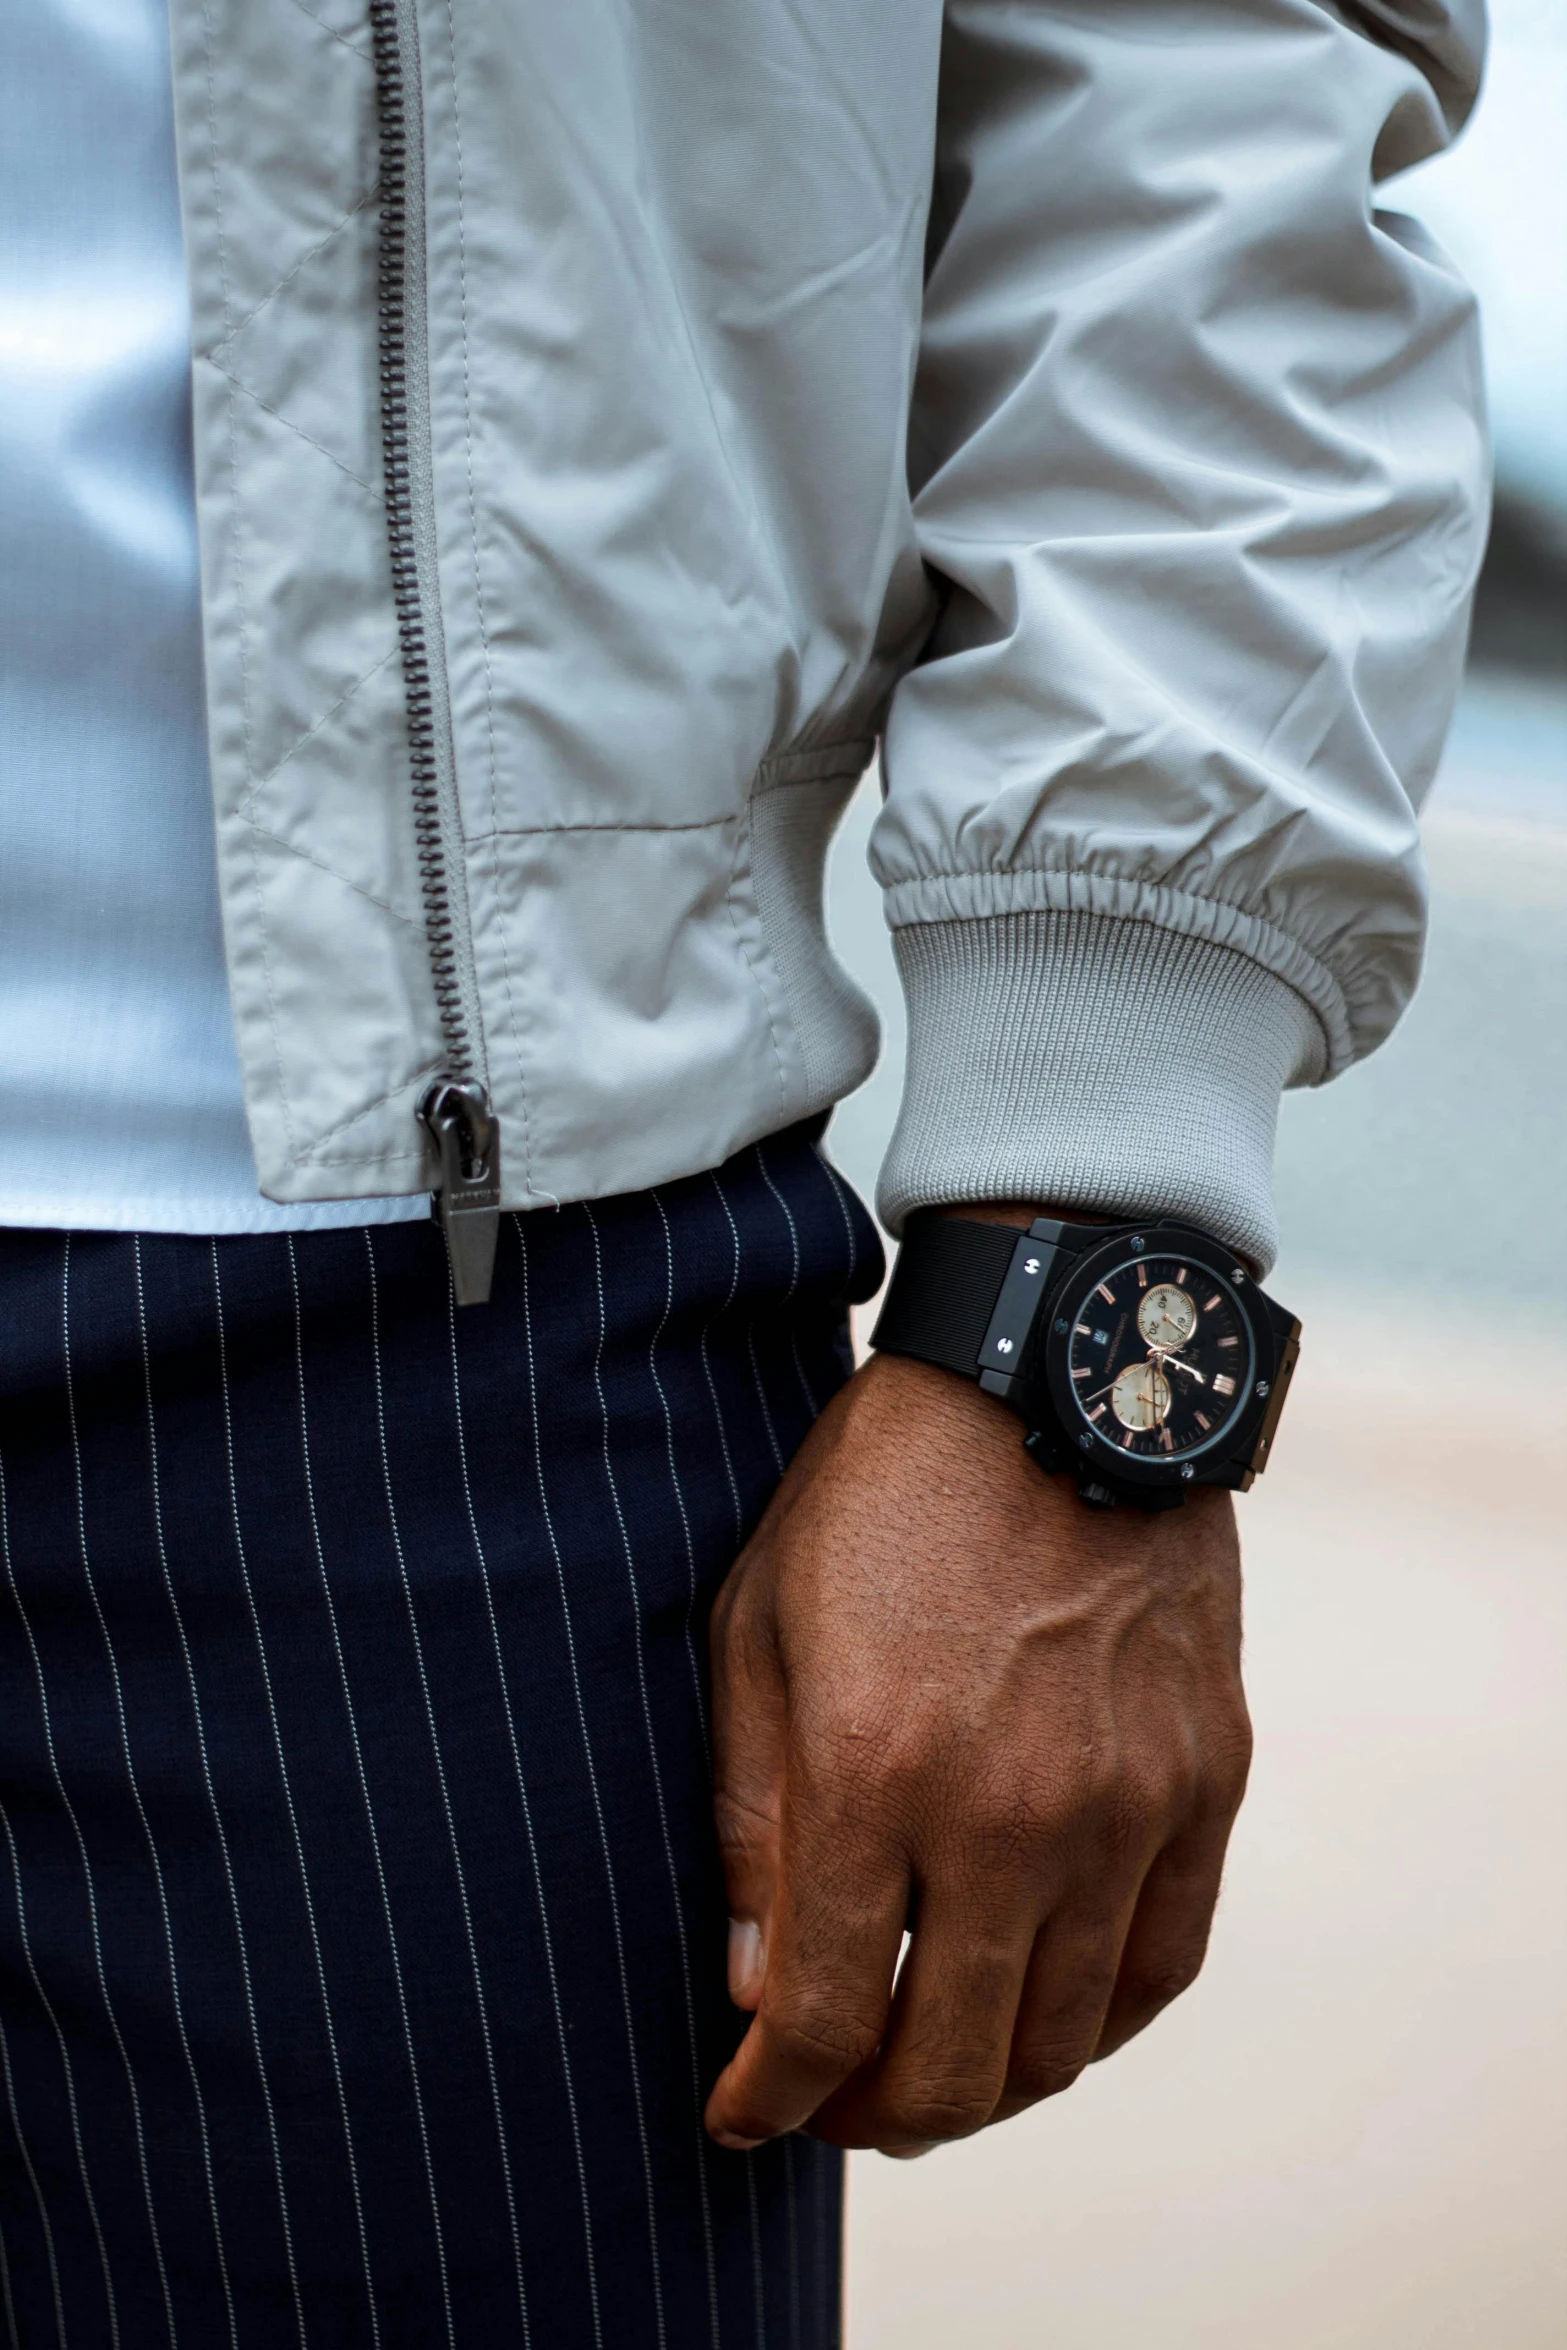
(612, 416)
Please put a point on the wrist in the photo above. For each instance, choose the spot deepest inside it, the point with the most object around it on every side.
(1143, 1359)
(1021, 1213)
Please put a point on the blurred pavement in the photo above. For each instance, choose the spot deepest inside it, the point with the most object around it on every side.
(1352, 2135)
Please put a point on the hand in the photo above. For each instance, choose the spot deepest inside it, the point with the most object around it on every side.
(950, 1697)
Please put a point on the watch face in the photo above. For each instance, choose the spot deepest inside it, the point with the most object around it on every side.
(1160, 1358)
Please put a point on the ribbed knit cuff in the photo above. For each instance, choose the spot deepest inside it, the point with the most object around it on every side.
(1098, 1063)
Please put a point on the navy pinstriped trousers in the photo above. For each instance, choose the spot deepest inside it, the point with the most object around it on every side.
(361, 1924)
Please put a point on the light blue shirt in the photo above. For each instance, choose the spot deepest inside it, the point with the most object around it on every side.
(120, 1096)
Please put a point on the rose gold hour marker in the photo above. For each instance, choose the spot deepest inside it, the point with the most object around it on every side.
(1229, 1342)
(1098, 1412)
(1166, 1440)
(1126, 1441)
(1142, 1276)
(1180, 1278)
(1083, 1373)
(1083, 1330)
(1107, 1293)
(1209, 1303)
(1222, 1384)
(1203, 1420)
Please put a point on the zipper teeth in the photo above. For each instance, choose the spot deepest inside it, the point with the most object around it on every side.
(392, 290)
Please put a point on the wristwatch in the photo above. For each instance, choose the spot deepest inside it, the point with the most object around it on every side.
(1142, 1359)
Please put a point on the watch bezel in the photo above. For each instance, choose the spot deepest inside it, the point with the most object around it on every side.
(1048, 1367)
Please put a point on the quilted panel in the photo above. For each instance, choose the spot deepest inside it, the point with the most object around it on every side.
(293, 108)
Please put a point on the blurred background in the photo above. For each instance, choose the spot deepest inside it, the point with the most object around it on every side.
(1352, 2135)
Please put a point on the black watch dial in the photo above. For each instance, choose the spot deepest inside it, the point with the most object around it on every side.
(1160, 1358)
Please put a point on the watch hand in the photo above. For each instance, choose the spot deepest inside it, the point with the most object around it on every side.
(1190, 1369)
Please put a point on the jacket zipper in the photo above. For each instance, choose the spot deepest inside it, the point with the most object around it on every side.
(455, 1109)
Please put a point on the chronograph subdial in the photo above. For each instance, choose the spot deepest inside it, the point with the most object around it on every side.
(1159, 1358)
(1140, 1397)
(1167, 1316)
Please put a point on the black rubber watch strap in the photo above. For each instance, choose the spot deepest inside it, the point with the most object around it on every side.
(944, 1290)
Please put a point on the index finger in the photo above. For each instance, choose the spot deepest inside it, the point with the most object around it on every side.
(837, 1926)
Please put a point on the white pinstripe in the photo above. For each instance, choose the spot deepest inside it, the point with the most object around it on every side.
(593, 1785)
(750, 1347)
(707, 1367)
(761, 1397)
(658, 1781)
(757, 2289)
(527, 1822)
(674, 1472)
(217, 1817)
(92, 1910)
(835, 1185)
(364, 1789)
(152, 1849)
(288, 1799)
(25, 2152)
(480, 2001)
(794, 1277)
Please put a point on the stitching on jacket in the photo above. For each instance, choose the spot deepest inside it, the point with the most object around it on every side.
(314, 1150)
(352, 47)
(544, 831)
(742, 839)
(239, 580)
(383, 1160)
(513, 1024)
(305, 259)
(288, 423)
(817, 763)
(310, 733)
(307, 857)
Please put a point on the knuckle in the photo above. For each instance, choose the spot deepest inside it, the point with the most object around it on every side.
(865, 1776)
(1138, 1808)
(825, 2035)
(941, 2113)
(1231, 1764)
(1038, 2073)
(742, 1828)
(1010, 1825)
(1162, 1980)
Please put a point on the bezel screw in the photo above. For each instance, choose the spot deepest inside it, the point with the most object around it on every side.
(1262, 1387)
(1187, 1474)
(1086, 1441)
(1062, 1325)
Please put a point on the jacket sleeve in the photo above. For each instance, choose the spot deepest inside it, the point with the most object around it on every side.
(1199, 466)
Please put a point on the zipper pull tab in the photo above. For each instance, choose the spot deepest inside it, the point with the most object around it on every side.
(467, 1139)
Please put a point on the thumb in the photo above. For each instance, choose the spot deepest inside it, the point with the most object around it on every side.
(749, 1725)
